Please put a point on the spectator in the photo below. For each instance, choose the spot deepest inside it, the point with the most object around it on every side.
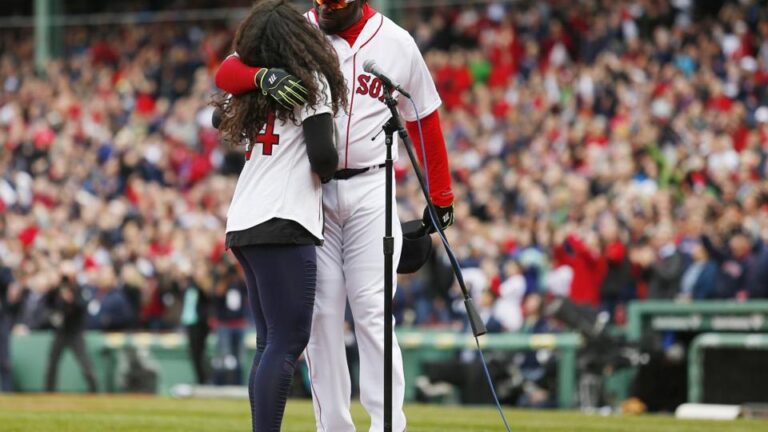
(68, 310)
(582, 258)
(733, 261)
(131, 283)
(195, 315)
(532, 255)
(485, 308)
(534, 320)
(7, 294)
(508, 308)
(108, 309)
(757, 277)
(537, 367)
(698, 280)
(664, 265)
(230, 295)
(615, 260)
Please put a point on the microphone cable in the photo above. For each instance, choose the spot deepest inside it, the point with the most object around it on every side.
(454, 262)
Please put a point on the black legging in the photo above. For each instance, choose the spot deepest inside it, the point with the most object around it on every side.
(281, 288)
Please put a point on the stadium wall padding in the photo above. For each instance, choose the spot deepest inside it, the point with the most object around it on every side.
(168, 354)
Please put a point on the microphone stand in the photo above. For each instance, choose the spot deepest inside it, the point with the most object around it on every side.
(395, 124)
(390, 127)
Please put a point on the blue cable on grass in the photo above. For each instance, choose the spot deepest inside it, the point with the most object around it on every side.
(439, 230)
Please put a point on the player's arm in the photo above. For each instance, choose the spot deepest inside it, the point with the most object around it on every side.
(437, 166)
(321, 148)
(421, 86)
(237, 78)
(318, 126)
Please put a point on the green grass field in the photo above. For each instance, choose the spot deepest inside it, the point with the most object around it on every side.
(149, 414)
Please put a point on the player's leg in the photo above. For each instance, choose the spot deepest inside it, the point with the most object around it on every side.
(326, 352)
(81, 355)
(364, 273)
(262, 331)
(286, 277)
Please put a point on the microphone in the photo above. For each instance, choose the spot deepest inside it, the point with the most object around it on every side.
(371, 67)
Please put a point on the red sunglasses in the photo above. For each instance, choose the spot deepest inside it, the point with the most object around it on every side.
(334, 4)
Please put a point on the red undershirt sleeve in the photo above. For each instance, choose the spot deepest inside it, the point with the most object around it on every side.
(437, 157)
(236, 77)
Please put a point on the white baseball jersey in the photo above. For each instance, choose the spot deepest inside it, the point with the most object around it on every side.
(350, 265)
(277, 180)
(396, 53)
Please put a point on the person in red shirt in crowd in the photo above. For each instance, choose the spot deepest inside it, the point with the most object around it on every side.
(582, 257)
(453, 79)
(615, 265)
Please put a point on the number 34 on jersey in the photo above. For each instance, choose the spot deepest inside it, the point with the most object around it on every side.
(267, 138)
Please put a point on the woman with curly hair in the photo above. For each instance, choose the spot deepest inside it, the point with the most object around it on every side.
(275, 220)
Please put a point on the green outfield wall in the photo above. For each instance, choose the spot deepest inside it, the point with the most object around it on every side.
(168, 355)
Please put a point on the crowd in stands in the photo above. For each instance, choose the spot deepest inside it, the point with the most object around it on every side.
(113, 175)
(601, 150)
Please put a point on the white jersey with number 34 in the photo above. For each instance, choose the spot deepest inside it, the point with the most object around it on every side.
(277, 180)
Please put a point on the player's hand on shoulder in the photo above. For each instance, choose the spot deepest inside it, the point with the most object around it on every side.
(281, 86)
(444, 217)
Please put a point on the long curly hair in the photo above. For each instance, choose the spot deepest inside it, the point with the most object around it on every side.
(275, 34)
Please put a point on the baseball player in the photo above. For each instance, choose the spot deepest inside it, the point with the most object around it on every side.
(275, 219)
(350, 263)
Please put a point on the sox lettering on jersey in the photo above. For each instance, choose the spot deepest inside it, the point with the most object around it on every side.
(371, 86)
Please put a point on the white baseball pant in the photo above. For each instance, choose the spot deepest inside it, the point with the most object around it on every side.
(350, 265)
